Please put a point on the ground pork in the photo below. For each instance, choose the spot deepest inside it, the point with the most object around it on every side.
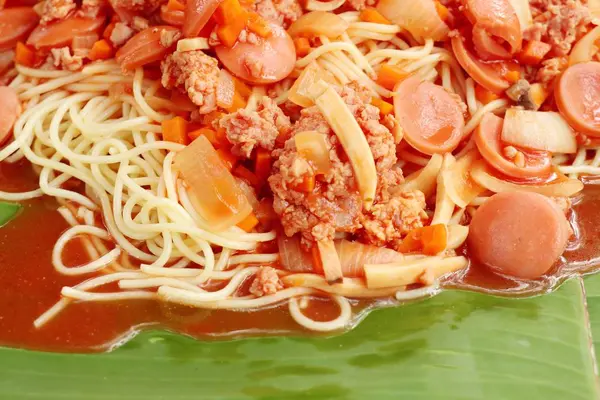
(559, 23)
(266, 282)
(169, 37)
(334, 204)
(143, 6)
(194, 73)
(360, 4)
(51, 10)
(282, 12)
(139, 23)
(120, 34)
(63, 59)
(91, 8)
(249, 129)
(388, 221)
(551, 68)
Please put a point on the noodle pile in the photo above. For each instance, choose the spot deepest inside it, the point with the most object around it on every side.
(152, 243)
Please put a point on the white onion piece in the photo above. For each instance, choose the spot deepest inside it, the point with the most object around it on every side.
(225, 89)
(585, 47)
(594, 7)
(419, 17)
(562, 188)
(460, 187)
(523, 13)
(317, 23)
(537, 130)
(316, 5)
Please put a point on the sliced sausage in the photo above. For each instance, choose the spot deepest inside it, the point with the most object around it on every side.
(578, 97)
(269, 61)
(487, 139)
(15, 25)
(197, 14)
(61, 33)
(521, 234)
(144, 48)
(10, 108)
(431, 118)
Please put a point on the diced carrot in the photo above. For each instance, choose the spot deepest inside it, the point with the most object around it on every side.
(238, 102)
(231, 18)
(262, 165)
(248, 223)
(434, 239)
(175, 5)
(242, 172)
(222, 138)
(229, 159)
(24, 55)
(211, 117)
(228, 11)
(307, 185)
(174, 130)
(108, 30)
(534, 52)
(101, 50)
(240, 86)
(442, 11)
(512, 76)
(302, 46)
(210, 134)
(182, 101)
(390, 75)
(370, 14)
(483, 95)
(385, 107)
(258, 25)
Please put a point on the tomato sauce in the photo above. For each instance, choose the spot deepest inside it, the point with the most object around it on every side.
(29, 285)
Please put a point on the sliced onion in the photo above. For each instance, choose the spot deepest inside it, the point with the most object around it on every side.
(312, 146)
(460, 187)
(419, 17)
(291, 255)
(561, 188)
(212, 189)
(299, 93)
(328, 261)
(354, 256)
(225, 89)
(537, 130)
(85, 41)
(523, 13)
(424, 179)
(585, 47)
(457, 235)
(594, 7)
(317, 23)
(316, 5)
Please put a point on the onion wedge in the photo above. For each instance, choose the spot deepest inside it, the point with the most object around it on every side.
(327, 260)
(351, 136)
(523, 11)
(354, 256)
(457, 235)
(424, 179)
(225, 89)
(561, 188)
(424, 270)
(459, 185)
(420, 17)
(537, 130)
(585, 47)
(299, 93)
(444, 206)
(317, 23)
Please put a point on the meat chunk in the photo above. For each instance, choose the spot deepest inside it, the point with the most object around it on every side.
(559, 23)
(91, 8)
(63, 59)
(388, 221)
(249, 129)
(334, 204)
(120, 34)
(360, 4)
(282, 12)
(169, 37)
(137, 6)
(551, 69)
(194, 73)
(52, 10)
(266, 282)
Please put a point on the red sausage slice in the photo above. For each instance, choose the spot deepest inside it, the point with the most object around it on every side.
(15, 25)
(578, 97)
(269, 61)
(10, 108)
(487, 139)
(432, 120)
(61, 33)
(521, 234)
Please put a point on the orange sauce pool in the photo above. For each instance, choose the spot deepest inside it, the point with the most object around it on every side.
(29, 285)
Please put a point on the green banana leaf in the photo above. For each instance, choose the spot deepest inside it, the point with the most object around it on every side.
(457, 345)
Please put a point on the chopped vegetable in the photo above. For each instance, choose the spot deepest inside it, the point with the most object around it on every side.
(390, 75)
(212, 189)
(311, 145)
(143, 48)
(228, 159)
(225, 89)
(197, 14)
(24, 55)
(175, 5)
(484, 95)
(174, 130)
(84, 42)
(249, 223)
(248, 175)
(317, 23)
(370, 14)
(420, 18)
(101, 50)
(537, 130)
(459, 185)
(192, 44)
(258, 25)
(444, 206)
(430, 240)
(210, 134)
(351, 137)
(424, 179)
(523, 11)
(15, 24)
(299, 93)
(307, 185)
(457, 235)
(262, 164)
(302, 46)
(291, 255)
(534, 52)
(402, 273)
(8, 211)
(327, 261)
(385, 108)
(354, 255)
(585, 47)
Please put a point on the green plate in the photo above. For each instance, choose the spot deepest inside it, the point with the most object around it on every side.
(457, 345)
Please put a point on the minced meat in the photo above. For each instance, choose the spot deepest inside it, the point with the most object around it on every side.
(551, 68)
(194, 73)
(559, 23)
(120, 34)
(62, 58)
(360, 4)
(282, 12)
(266, 282)
(138, 6)
(52, 10)
(247, 129)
